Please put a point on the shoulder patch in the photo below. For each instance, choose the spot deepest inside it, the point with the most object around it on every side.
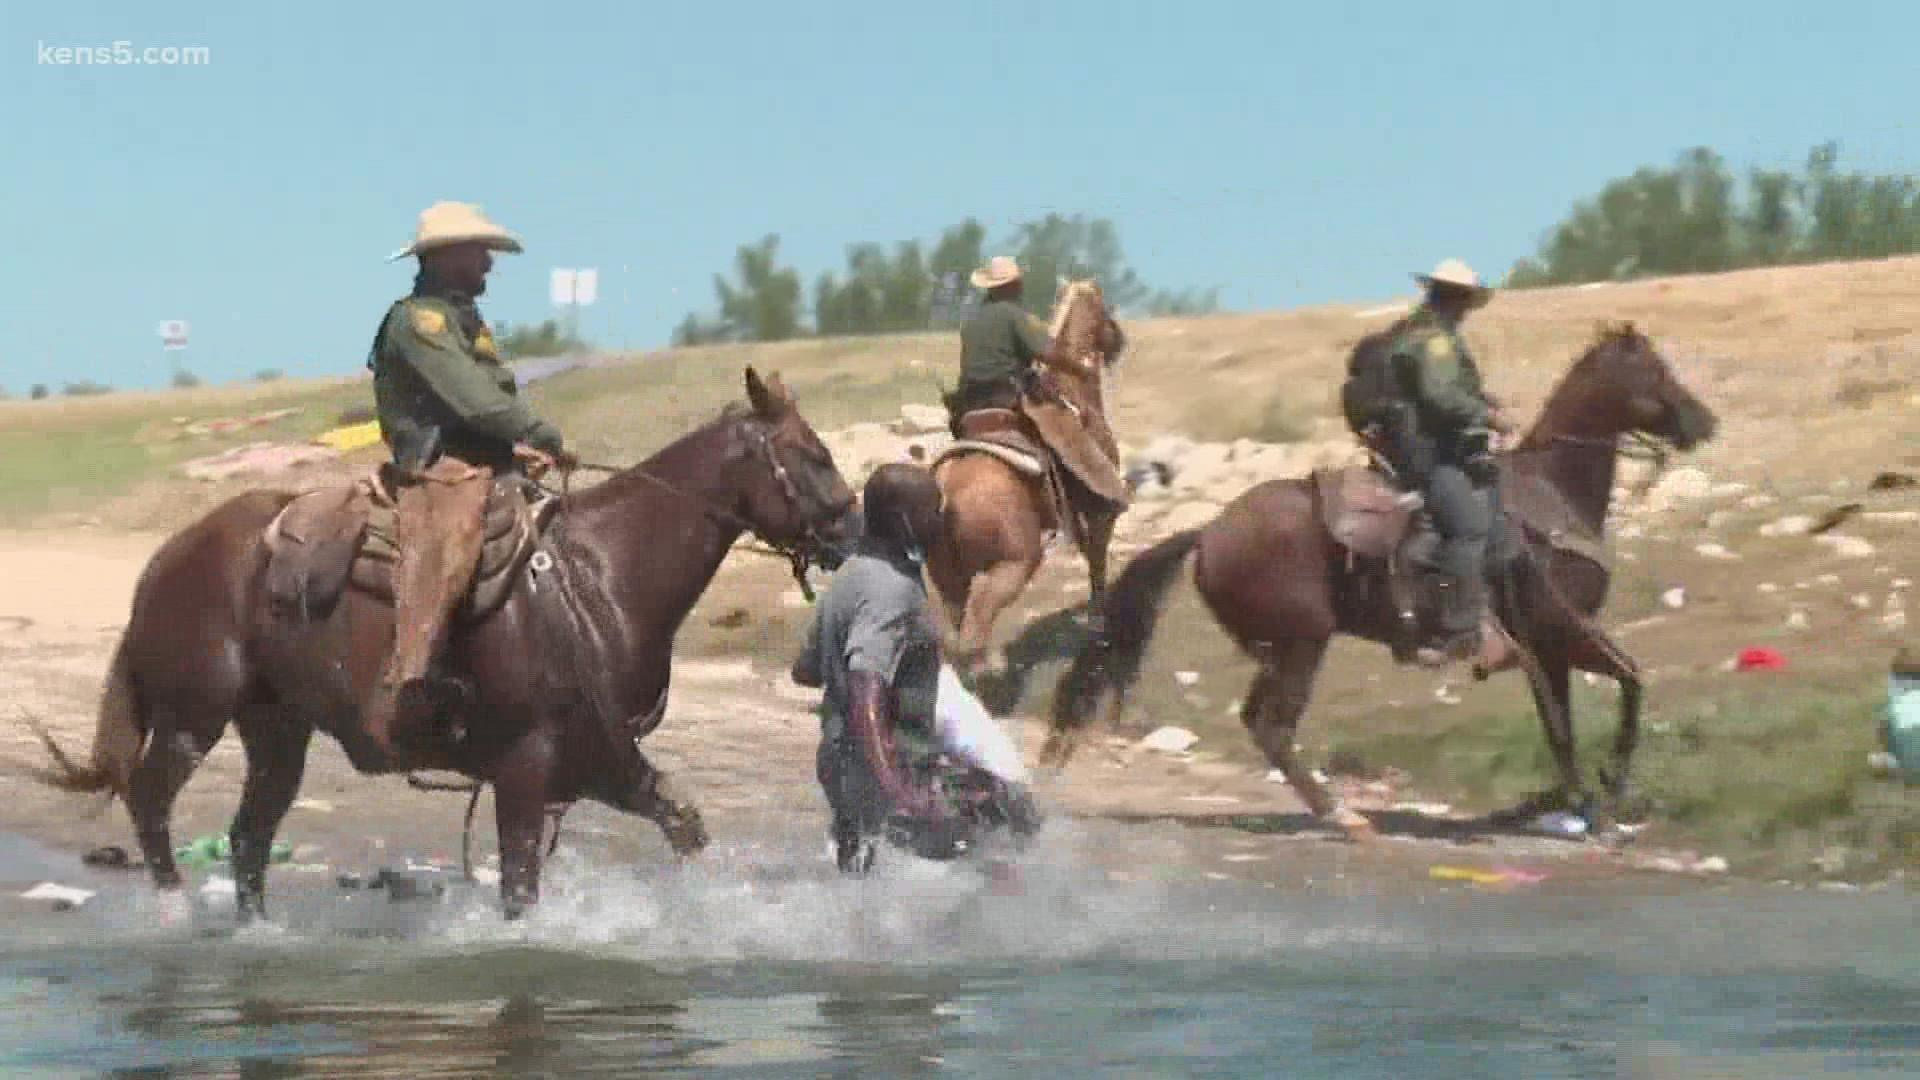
(1439, 347)
(426, 320)
(483, 343)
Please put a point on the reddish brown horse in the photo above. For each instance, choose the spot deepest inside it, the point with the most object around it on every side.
(568, 675)
(1274, 576)
(999, 516)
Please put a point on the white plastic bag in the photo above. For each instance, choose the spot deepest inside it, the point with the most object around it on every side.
(966, 729)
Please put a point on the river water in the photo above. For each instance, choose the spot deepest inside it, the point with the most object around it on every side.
(761, 962)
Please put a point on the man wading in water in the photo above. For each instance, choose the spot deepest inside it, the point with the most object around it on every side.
(874, 649)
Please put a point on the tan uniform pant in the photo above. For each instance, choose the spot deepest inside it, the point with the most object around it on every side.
(441, 528)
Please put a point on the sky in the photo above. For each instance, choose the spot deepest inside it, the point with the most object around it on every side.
(1288, 154)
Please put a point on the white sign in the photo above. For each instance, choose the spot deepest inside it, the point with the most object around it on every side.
(173, 334)
(568, 287)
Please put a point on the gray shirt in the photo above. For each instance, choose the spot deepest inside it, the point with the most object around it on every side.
(875, 618)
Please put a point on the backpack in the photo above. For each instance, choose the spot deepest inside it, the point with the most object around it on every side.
(1371, 388)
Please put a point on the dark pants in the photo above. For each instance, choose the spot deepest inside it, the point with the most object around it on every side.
(1462, 511)
(858, 803)
(998, 394)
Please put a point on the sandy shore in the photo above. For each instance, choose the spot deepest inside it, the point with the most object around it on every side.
(740, 744)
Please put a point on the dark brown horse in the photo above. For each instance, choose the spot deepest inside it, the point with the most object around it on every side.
(568, 675)
(998, 518)
(1274, 576)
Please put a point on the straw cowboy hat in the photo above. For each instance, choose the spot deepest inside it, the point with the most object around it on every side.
(1000, 270)
(446, 223)
(1454, 274)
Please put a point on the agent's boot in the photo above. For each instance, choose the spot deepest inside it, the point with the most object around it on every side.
(1462, 608)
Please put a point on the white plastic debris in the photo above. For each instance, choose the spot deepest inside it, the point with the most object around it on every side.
(1675, 598)
(1187, 678)
(1846, 547)
(63, 897)
(1170, 740)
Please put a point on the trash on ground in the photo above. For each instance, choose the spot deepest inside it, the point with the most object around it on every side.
(1187, 678)
(217, 888)
(1424, 809)
(63, 897)
(1476, 876)
(1170, 740)
(1561, 823)
(409, 882)
(217, 848)
(1675, 597)
(1760, 658)
(318, 806)
(110, 857)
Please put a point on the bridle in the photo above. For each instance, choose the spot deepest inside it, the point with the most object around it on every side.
(801, 554)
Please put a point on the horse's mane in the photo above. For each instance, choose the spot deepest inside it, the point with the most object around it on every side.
(1075, 326)
(1064, 305)
(1610, 337)
(731, 414)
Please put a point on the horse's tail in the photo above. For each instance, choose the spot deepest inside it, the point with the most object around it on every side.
(118, 736)
(1110, 663)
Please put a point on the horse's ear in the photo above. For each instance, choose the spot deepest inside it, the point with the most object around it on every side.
(769, 398)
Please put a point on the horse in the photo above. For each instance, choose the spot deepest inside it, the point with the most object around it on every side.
(1280, 571)
(998, 516)
(568, 674)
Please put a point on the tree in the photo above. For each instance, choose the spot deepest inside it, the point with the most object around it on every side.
(185, 380)
(1055, 248)
(1695, 217)
(912, 287)
(546, 339)
(765, 304)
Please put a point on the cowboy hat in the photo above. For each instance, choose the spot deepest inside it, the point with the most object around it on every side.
(446, 223)
(1454, 274)
(1000, 270)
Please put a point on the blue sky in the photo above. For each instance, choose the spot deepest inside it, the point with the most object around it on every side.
(1288, 155)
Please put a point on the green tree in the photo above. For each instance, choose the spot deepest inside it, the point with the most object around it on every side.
(1055, 248)
(1696, 217)
(546, 339)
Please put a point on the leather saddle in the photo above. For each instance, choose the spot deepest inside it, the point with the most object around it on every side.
(1384, 528)
(1009, 436)
(1371, 518)
(342, 535)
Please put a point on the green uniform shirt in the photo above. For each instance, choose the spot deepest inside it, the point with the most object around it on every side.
(434, 370)
(1000, 341)
(1437, 372)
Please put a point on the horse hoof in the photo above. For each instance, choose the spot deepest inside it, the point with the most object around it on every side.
(1055, 753)
(688, 840)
